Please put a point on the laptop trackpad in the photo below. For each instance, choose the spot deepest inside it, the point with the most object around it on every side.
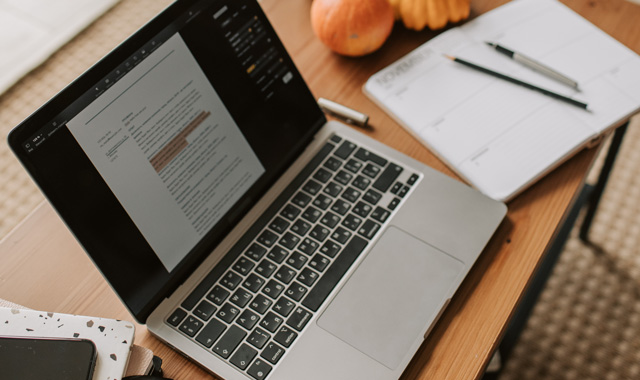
(384, 306)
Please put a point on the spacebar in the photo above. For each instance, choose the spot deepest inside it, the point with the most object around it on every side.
(334, 273)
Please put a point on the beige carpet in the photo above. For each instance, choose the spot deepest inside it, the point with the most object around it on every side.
(587, 323)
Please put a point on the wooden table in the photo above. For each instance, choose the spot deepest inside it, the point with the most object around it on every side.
(42, 267)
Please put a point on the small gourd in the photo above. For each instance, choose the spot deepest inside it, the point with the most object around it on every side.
(435, 14)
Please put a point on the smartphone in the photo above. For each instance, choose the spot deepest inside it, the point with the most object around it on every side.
(46, 358)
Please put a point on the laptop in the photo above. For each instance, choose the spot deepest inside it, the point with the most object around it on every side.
(195, 168)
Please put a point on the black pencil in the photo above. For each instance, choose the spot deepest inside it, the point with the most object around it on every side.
(521, 83)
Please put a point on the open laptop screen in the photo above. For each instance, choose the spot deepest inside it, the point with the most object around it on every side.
(155, 153)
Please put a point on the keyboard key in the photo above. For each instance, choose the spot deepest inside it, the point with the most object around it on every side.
(301, 200)
(308, 277)
(243, 356)
(335, 139)
(268, 238)
(255, 251)
(372, 196)
(296, 291)
(308, 246)
(343, 177)
(388, 176)
(369, 229)
(241, 297)
(261, 303)
(393, 204)
(259, 369)
(211, 332)
(371, 170)
(253, 282)
(285, 336)
(340, 207)
(298, 320)
(345, 149)
(279, 225)
(204, 310)
(353, 165)
(248, 319)
(176, 317)
(341, 235)
(332, 164)
(322, 201)
(300, 227)
(330, 248)
(243, 266)
(380, 214)
(365, 155)
(273, 289)
(312, 187)
(231, 280)
(333, 189)
(229, 341)
(271, 321)
(266, 268)
(297, 260)
(403, 191)
(396, 187)
(191, 326)
(284, 306)
(285, 274)
(322, 175)
(352, 222)
(290, 212)
(319, 262)
(218, 295)
(330, 219)
(362, 209)
(258, 338)
(319, 233)
(334, 273)
(351, 194)
(311, 214)
(228, 313)
(272, 353)
(361, 182)
(413, 179)
(289, 240)
(278, 254)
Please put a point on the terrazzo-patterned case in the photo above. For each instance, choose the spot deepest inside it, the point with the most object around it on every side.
(113, 338)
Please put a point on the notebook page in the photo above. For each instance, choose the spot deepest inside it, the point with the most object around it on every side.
(499, 136)
(32, 30)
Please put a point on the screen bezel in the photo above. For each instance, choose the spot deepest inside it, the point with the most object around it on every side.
(150, 288)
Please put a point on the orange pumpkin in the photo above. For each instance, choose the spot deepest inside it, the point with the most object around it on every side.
(352, 27)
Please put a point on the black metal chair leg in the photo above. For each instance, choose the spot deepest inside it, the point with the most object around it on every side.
(598, 188)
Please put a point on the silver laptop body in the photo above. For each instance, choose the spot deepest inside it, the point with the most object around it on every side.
(378, 315)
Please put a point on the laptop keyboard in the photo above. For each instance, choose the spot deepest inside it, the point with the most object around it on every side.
(251, 308)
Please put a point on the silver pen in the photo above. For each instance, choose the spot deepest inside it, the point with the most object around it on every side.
(345, 113)
(535, 65)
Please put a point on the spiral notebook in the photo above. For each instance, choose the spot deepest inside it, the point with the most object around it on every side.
(498, 136)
